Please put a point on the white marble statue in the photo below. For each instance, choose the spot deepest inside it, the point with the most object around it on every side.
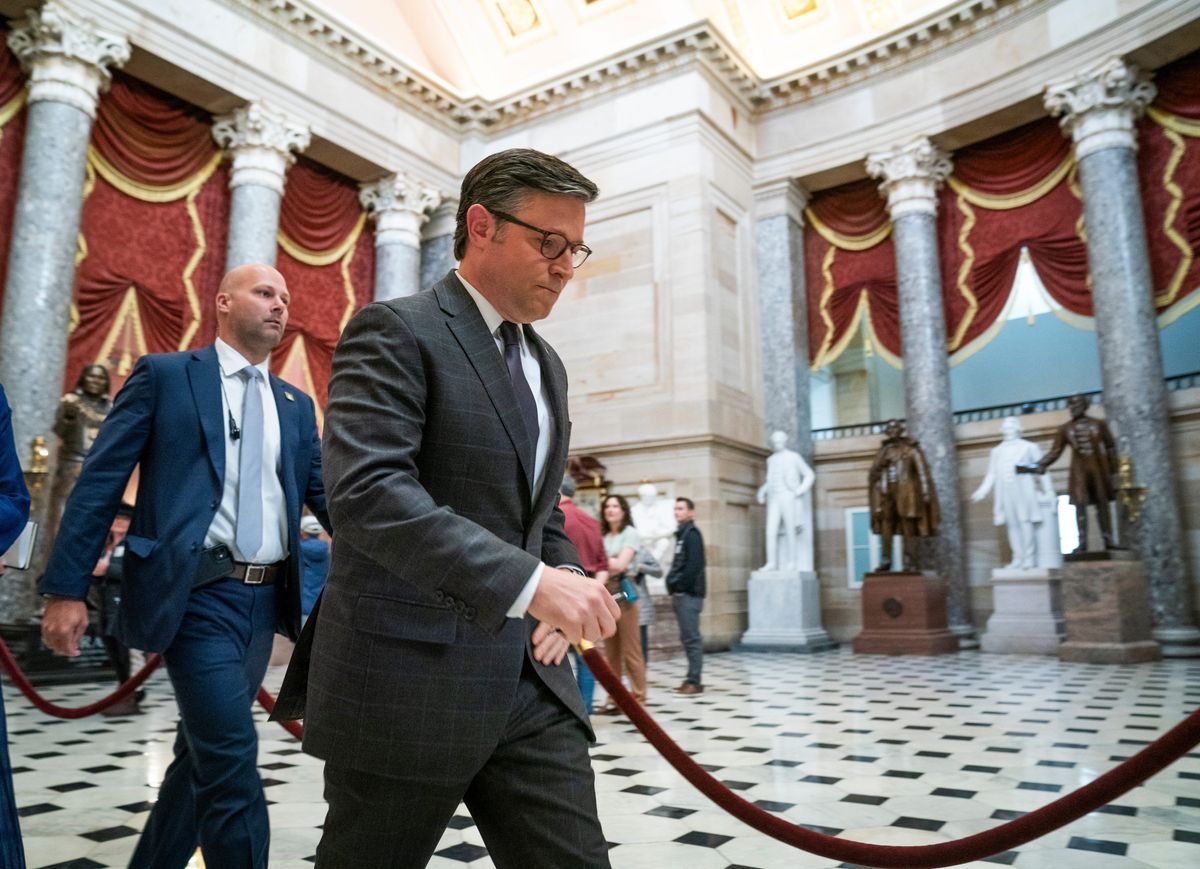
(788, 479)
(1020, 498)
(654, 520)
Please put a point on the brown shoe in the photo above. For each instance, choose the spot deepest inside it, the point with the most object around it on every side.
(689, 688)
(608, 710)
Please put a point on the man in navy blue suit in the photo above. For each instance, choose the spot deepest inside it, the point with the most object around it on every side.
(228, 457)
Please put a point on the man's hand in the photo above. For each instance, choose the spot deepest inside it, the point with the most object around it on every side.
(577, 605)
(549, 644)
(63, 624)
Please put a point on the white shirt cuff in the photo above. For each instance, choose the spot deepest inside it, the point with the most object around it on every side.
(521, 604)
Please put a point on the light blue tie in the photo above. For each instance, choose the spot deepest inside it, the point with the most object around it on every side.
(250, 486)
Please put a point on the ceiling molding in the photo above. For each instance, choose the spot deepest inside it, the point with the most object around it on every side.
(698, 45)
(940, 30)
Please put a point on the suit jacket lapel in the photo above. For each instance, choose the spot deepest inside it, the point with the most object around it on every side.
(555, 380)
(480, 348)
(289, 440)
(204, 375)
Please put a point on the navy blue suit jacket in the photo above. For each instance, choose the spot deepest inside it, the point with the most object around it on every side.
(168, 419)
(14, 497)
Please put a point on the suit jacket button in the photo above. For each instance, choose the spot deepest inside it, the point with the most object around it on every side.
(215, 504)
(439, 595)
(460, 607)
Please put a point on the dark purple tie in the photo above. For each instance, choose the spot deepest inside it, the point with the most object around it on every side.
(512, 358)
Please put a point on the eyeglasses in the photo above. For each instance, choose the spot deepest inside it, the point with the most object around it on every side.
(553, 243)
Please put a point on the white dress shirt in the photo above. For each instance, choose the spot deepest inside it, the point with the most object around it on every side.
(533, 373)
(274, 508)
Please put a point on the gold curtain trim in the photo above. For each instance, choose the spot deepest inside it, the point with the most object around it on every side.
(300, 347)
(1013, 200)
(193, 298)
(347, 283)
(9, 110)
(848, 242)
(964, 272)
(884, 354)
(1167, 297)
(1177, 123)
(81, 245)
(1169, 316)
(988, 335)
(322, 257)
(130, 311)
(823, 306)
(151, 192)
(830, 354)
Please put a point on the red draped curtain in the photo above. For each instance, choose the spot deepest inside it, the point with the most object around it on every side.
(1012, 191)
(1169, 176)
(850, 272)
(153, 234)
(327, 255)
(12, 138)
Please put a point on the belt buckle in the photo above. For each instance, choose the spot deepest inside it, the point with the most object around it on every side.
(255, 574)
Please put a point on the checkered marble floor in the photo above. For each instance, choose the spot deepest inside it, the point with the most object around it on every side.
(888, 750)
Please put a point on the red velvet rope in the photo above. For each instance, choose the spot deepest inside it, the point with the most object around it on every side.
(1153, 758)
(26, 688)
(23, 684)
(267, 702)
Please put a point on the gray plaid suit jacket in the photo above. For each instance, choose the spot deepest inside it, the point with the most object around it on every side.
(413, 663)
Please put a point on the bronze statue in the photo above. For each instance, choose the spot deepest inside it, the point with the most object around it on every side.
(902, 495)
(1093, 468)
(80, 413)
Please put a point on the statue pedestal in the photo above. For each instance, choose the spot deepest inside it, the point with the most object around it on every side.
(1107, 606)
(785, 613)
(1028, 614)
(904, 614)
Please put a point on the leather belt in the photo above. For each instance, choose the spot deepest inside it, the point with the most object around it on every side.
(256, 574)
(216, 563)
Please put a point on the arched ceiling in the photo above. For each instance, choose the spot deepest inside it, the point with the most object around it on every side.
(494, 48)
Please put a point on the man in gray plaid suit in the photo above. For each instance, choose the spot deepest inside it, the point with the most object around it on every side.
(436, 666)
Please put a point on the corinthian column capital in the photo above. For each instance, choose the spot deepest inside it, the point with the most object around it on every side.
(263, 142)
(400, 205)
(1099, 106)
(910, 176)
(66, 55)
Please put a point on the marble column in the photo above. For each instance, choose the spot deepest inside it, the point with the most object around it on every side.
(910, 177)
(783, 312)
(437, 242)
(1099, 109)
(400, 205)
(263, 143)
(67, 57)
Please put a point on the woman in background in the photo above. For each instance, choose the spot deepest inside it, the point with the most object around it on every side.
(14, 512)
(624, 649)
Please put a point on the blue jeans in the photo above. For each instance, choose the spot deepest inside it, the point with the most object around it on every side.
(587, 682)
(687, 613)
(212, 795)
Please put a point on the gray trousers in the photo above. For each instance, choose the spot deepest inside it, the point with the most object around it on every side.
(687, 613)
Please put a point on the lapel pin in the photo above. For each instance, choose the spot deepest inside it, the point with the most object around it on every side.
(288, 395)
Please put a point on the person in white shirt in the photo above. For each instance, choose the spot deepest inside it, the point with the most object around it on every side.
(228, 456)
